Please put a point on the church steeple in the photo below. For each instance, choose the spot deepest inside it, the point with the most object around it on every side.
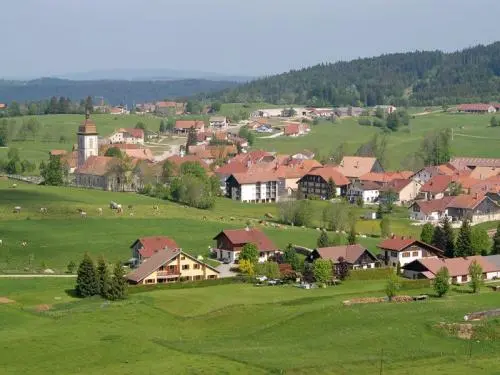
(87, 140)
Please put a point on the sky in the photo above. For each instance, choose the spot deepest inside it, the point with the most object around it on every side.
(234, 37)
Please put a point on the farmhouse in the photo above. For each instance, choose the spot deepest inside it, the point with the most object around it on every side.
(316, 182)
(218, 122)
(145, 247)
(171, 265)
(253, 186)
(425, 174)
(293, 171)
(183, 126)
(303, 155)
(355, 166)
(472, 163)
(294, 130)
(404, 250)
(385, 177)
(458, 268)
(356, 256)
(129, 136)
(477, 208)
(139, 153)
(170, 108)
(476, 108)
(435, 187)
(400, 191)
(430, 210)
(231, 242)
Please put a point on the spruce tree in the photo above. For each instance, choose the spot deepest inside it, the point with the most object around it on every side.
(438, 238)
(323, 240)
(464, 240)
(448, 238)
(495, 249)
(351, 238)
(427, 233)
(118, 284)
(103, 279)
(86, 281)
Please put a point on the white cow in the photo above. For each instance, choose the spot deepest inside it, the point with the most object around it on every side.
(17, 209)
(83, 214)
(99, 211)
(43, 210)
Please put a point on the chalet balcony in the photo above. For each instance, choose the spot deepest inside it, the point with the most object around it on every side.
(168, 273)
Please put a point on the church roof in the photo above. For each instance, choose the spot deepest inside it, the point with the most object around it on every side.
(87, 127)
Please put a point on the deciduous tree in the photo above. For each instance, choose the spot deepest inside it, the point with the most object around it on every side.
(392, 286)
(442, 282)
(322, 270)
(250, 252)
(480, 241)
(385, 227)
(52, 172)
(476, 276)
(290, 256)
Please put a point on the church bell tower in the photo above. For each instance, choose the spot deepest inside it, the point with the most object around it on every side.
(87, 140)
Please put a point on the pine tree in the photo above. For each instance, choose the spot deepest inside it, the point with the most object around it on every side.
(86, 281)
(495, 249)
(323, 239)
(464, 240)
(438, 238)
(448, 238)
(103, 278)
(427, 233)
(118, 284)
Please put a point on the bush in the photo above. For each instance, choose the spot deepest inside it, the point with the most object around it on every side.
(365, 121)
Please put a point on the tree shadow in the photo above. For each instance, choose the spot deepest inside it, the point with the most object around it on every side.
(71, 293)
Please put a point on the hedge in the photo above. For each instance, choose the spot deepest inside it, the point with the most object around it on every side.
(140, 288)
(371, 274)
(415, 284)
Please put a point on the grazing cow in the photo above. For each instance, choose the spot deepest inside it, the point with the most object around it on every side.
(13, 186)
(131, 214)
(24, 244)
(1, 242)
(43, 210)
(83, 214)
(99, 211)
(17, 209)
(119, 208)
(156, 208)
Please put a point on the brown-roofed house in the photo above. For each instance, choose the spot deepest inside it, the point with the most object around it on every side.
(458, 268)
(183, 126)
(316, 182)
(356, 166)
(430, 210)
(436, 187)
(171, 265)
(400, 191)
(405, 250)
(471, 163)
(178, 160)
(145, 247)
(356, 256)
(368, 191)
(231, 242)
(139, 153)
(476, 207)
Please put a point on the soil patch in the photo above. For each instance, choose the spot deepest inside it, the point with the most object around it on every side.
(357, 301)
(463, 331)
(6, 300)
(41, 308)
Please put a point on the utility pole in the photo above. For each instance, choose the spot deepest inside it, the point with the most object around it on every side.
(381, 361)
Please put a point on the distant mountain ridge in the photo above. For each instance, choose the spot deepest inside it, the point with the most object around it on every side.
(113, 91)
(413, 78)
(150, 75)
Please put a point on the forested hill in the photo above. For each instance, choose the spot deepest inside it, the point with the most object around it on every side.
(415, 78)
(113, 91)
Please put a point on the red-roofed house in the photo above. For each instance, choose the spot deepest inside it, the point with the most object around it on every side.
(129, 136)
(436, 187)
(294, 130)
(316, 182)
(145, 247)
(253, 186)
(385, 177)
(231, 242)
(476, 108)
(139, 153)
(179, 160)
(430, 210)
(458, 268)
(354, 167)
(183, 126)
(405, 250)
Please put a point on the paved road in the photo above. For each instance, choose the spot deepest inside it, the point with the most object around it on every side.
(224, 270)
(18, 276)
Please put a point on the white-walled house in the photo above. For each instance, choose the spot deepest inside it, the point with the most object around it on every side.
(253, 187)
(404, 250)
(433, 210)
(367, 190)
(128, 136)
(218, 122)
(458, 268)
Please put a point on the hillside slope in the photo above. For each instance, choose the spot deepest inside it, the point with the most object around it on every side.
(417, 78)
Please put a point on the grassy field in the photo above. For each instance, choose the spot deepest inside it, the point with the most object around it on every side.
(237, 329)
(473, 137)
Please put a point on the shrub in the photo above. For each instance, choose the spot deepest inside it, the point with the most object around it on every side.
(365, 121)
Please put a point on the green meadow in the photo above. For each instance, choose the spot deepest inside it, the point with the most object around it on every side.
(238, 328)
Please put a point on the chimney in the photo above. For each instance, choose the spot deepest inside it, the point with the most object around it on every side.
(247, 228)
(393, 236)
(476, 196)
(403, 237)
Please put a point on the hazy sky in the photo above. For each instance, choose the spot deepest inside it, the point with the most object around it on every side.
(248, 37)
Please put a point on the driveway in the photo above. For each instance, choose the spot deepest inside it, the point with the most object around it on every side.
(225, 271)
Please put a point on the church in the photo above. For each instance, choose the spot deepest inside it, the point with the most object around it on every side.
(95, 171)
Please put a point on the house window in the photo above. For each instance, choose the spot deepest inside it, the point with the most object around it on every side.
(394, 254)
(262, 255)
(185, 278)
(414, 254)
(197, 277)
(185, 266)
(406, 254)
(183, 257)
(171, 268)
(149, 281)
(212, 276)
(196, 266)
